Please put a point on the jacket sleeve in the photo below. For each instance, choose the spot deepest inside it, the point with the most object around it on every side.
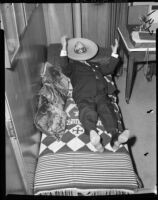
(65, 66)
(109, 67)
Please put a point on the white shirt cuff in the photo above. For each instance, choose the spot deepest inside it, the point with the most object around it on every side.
(114, 55)
(63, 53)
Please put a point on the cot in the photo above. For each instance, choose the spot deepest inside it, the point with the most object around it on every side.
(73, 167)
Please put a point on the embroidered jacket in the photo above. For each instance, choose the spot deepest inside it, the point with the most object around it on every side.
(87, 79)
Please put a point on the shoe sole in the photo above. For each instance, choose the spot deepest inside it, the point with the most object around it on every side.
(97, 145)
(123, 137)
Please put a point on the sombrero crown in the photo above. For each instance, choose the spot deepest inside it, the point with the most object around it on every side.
(81, 49)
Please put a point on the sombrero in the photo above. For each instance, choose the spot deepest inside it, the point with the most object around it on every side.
(81, 49)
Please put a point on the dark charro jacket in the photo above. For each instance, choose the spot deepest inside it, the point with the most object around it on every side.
(87, 80)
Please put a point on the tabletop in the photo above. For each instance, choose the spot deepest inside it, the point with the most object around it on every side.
(131, 47)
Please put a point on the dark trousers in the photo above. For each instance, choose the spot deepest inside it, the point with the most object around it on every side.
(92, 108)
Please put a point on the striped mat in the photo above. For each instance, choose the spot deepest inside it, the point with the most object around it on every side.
(81, 173)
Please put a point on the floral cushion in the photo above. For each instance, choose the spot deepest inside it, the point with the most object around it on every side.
(50, 117)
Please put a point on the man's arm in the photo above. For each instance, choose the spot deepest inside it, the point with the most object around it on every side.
(65, 66)
(109, 67)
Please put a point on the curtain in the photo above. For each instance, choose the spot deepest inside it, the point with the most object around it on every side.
(100, 21)
(95, 22)
(117, 17)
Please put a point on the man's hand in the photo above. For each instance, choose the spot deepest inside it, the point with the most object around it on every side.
(64, 42)
(114, 48)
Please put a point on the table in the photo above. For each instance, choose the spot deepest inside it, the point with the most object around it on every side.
(134, 55)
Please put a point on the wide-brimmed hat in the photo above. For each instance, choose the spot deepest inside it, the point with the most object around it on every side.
(81, 49)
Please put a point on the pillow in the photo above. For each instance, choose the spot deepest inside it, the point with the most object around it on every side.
(53, 74)
(50, 117)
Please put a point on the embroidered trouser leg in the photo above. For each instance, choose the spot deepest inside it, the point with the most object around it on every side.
(91, 108)
(88, 114)
(107, 115)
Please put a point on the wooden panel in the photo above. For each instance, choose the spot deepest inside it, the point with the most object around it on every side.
(22, 83)
(29, 7)
(14, 184)
(95, 22)
(11, 32)
(58, 21)
(20, 17)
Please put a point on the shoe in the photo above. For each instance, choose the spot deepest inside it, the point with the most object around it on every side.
(122, 138)
(95, 140)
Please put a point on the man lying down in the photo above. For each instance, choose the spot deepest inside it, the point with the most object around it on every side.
(90, 89)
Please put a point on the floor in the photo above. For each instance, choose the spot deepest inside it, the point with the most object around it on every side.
(141, 124)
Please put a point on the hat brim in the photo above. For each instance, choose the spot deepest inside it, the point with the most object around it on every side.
(91, 47)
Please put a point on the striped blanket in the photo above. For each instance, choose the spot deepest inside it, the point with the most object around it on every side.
(73, 167)
(75, 173)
